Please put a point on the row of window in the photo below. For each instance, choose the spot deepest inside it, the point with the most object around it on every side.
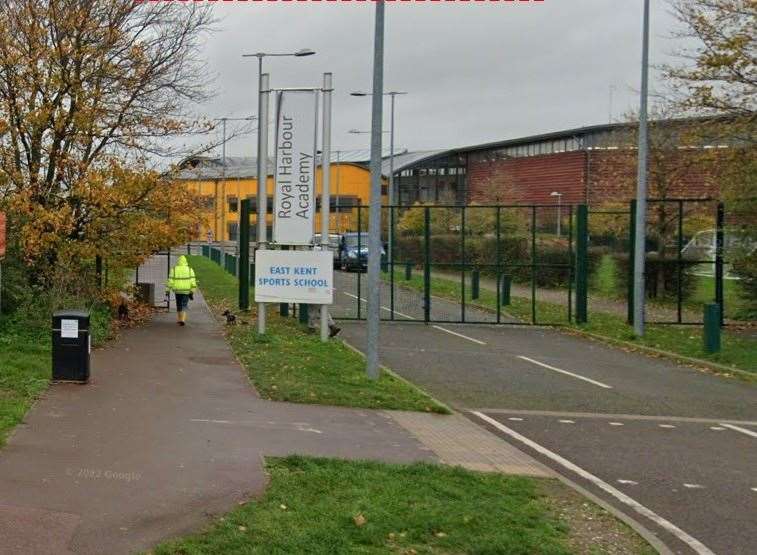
(338, 203)
(433, 171)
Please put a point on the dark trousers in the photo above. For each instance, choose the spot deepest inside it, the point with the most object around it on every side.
(182, 301)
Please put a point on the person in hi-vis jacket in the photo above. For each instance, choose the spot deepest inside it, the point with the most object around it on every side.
(182, 281)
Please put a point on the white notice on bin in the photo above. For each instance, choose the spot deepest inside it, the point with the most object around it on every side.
(69, 328)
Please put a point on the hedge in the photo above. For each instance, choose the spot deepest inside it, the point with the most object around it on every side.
(658, 274)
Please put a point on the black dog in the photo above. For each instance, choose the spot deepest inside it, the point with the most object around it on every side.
(231, 319)
(123, 311)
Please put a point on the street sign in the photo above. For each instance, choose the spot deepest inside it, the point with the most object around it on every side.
(294, 193)
(2, 235)
(294, 277)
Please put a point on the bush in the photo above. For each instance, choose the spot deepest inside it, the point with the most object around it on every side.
(660, 277)
(745, 267)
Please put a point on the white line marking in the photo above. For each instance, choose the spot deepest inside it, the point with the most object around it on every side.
(458, 334)
(740, 429)
(515, 419)
(567, 421)
(628, 482)
(693, 486)
(754, 489)
(616, 424)
(717, 428)
(211, 421)
(547, 366)
(692, 542)
(666, 426)
(397, 312)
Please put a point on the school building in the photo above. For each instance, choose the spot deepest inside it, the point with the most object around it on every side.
(221, 186)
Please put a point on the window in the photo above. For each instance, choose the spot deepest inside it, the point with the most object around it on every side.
(233, 204)
(233, 229)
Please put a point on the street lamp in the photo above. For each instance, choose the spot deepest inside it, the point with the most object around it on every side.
(559, 210)
(262, 193)
(223, 172)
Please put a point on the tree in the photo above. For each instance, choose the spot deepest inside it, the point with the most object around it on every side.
(90, 93)
(719, 75)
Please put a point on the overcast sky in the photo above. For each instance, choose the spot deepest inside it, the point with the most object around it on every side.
(475, 72)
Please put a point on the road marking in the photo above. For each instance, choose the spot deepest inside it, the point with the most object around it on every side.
(754, 489)
(211, 421)
(613, 416)
(666, 425)
(577, 376)
(458, 334)
(739, 429)
(515, 419)
(567, 421)
(397, 312)
(693, 486)
(616, 424)
(628, 482)
(692, 542)
(717, 428)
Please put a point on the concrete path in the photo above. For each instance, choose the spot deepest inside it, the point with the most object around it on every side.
(169, 432)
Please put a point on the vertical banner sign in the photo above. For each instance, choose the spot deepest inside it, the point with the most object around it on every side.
(294, 196)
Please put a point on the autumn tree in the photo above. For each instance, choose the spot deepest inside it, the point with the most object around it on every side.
(91, 92)
(718, 75)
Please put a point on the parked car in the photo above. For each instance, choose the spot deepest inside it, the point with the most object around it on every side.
(353, 251)
(334, 242)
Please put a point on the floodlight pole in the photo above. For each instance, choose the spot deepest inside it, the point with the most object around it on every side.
(641, 189)
(326, 186)
(374, 223)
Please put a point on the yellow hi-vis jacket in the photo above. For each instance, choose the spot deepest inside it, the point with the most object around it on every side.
(182, 279)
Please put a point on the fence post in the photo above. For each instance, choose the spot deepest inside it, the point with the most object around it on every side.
(99, 271)
(303, 313)
(719, 244)
(244, 255)
(712, 318)
(631, 251)
(189, 249)
(408, 271)
(426, 264)
(284, 307)
(582, 269)
(505, 294)
(475, 282)
(384, 264)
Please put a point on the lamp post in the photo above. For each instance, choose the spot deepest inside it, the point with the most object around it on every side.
(223, 168)
(262, 193)
(392, 95)
(641, 188)
(559, 210)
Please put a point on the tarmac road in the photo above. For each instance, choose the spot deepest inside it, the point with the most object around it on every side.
(683, 442)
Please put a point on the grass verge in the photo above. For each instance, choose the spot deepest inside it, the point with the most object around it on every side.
(291, 364)
(333, 506)
(26, 366)
(737, 351)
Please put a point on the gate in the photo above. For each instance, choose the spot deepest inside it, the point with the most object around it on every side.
(508, 264)
(150, 279)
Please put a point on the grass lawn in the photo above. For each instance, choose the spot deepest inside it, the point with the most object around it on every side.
(25, 369)
(291, 364)
(737, 351)
(332, 506)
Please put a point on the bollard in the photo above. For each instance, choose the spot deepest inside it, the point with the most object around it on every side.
(284, 309)
(303, 313)
(712, 328)
(505, 291)
(408, 271)
(384, 264)
(475, 283)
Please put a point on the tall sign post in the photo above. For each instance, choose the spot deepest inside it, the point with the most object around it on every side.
(374, 223)
(326, 187)
(262, 195)
(243, 269)
(641, 188)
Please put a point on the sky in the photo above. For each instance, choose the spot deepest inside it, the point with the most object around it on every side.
(474, 71)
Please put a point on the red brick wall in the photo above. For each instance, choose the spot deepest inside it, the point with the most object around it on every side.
(528, 180)
(611, 178)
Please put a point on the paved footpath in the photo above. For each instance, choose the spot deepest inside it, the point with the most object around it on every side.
(670, 446)
(169, 432)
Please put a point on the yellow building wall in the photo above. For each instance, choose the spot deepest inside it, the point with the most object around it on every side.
(347, 180)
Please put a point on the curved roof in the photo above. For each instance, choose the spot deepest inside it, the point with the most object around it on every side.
(407, 159)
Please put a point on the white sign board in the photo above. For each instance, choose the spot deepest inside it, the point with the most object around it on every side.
(69, 329)
(294, 277)
(294, 193)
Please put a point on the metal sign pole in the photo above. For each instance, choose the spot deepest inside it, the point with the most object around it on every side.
(262, 200)
(325, 187)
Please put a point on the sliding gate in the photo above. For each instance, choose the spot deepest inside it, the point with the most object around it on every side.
(512, 264)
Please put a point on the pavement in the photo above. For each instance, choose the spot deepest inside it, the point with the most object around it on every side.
(671, 446)
(169, 432)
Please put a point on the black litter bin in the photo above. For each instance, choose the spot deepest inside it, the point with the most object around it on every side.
(71, 346)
